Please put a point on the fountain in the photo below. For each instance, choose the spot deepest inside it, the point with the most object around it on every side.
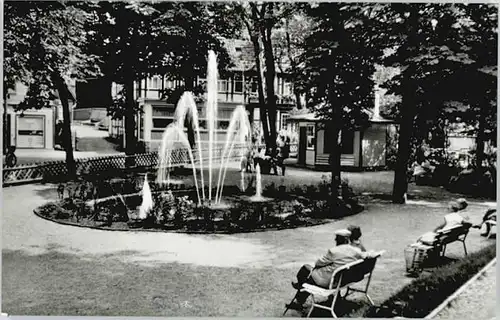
(258, 187)
(175, 139)
(242, 179)
(147, 200)
(258, 183)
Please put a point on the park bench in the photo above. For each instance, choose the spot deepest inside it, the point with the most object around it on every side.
(420, 256)
(449, 235)
(491, 224)
(343, 277)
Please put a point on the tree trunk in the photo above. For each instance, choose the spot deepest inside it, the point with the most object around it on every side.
(480, 139)
(335, 166)
(6, 128)
(400, 186)
(260, 85)
(130, 138)
(293, 64)
(408, 110)
(62, 90)
(335, 151)
(270, 76)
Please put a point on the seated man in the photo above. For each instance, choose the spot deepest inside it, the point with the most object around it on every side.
(450, 220)
(490, 215)
(320, 275)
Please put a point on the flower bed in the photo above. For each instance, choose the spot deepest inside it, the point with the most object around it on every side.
(176, 210)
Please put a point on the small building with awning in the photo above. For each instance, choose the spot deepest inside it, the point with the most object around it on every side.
(361, 149)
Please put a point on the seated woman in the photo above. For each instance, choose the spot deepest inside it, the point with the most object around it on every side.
(354, 238)
(451, 220)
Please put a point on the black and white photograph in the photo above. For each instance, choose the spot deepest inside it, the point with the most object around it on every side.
(249, 159)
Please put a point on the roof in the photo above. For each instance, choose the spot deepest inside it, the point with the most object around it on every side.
(312, 117)
(241, 54)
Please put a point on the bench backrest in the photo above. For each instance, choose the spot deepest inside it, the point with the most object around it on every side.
(353, 272)
(452, 234)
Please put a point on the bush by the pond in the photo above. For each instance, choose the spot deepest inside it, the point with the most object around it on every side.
(319, 198)
(420, 297)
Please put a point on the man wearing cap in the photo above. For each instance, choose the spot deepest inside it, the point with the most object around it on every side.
(320, 275)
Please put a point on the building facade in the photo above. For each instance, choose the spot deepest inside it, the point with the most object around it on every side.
(238, 87)
(360, 149)
(31, 128)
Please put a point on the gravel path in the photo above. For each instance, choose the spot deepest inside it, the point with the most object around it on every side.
(478, 301)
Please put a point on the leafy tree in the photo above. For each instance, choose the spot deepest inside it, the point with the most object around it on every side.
(428, 47)
(478, 39)
(339, 64)
(261, 20)
(43, 42)
(170, 39)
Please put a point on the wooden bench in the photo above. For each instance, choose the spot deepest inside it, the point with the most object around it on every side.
(343, 278)
(450, 235)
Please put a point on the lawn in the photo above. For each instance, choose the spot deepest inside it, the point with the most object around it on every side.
(77, 271)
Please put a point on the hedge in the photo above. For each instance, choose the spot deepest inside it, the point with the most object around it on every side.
(424, 294)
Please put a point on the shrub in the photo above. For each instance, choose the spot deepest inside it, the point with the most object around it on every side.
(164, 208)
(53, 210)
(424, 294)
(117, 211)
(270, 190)
(183, 209)
(474, 182)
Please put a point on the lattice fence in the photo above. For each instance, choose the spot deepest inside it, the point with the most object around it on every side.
(104, 166)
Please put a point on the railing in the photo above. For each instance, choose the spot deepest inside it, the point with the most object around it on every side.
(103, 166)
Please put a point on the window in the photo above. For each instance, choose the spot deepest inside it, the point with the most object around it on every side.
(255, 86)
(238, 49)
(161, 123)
(310, 137)
(223, 125)
(287, 89)
(155, 83)
(223, 86)
(347, 142)
(238, 86)
(238, 83)
(284, 120)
